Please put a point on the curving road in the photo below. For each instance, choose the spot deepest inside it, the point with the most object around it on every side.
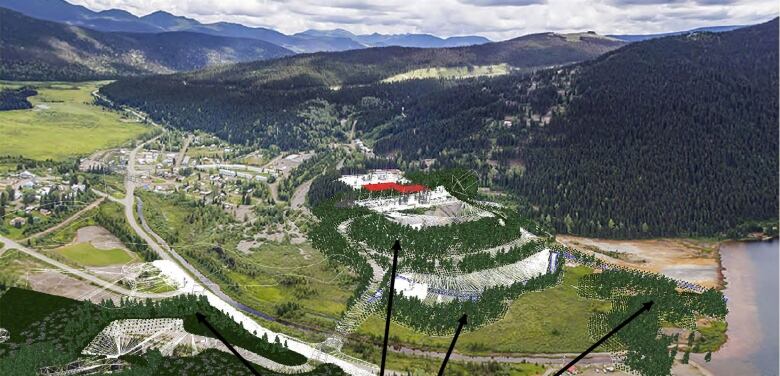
(210, 289)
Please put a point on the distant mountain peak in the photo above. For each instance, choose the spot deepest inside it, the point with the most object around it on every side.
(331, 33)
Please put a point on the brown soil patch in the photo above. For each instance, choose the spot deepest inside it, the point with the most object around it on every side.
(56, 283)
(99, 237)
(686, 259)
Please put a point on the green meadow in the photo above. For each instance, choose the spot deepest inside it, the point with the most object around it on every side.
(62, 123)
(548, 321)
(451, 72)
(86, 254)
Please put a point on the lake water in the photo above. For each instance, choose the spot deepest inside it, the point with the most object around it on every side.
(751, 273)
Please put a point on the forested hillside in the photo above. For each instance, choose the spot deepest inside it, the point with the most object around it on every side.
(296, 102)
(670, 136)
(359, 67)
(34, 49)
(673, 136)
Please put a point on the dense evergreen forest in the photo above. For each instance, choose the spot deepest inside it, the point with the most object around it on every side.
(295, 102)
(16, 99)
(673, 136)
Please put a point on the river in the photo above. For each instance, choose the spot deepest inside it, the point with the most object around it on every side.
(751, 273)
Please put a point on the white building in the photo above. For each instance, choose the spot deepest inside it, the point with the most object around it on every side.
(425, 199)
(374, 177)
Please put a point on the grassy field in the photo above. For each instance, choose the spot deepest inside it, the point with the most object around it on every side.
(549, 321)
(62, 124)
(67, 233)
(414, 365)
(299, 274)
(14, 266)
(86, 254)
(451, 72)
(287, 280)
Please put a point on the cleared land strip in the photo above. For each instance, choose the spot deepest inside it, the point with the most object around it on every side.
(67, 221)
(592, 358)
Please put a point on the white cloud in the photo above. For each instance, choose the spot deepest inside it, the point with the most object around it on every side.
(495, 19)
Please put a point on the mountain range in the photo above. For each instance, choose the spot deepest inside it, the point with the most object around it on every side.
(401, 40)
(371, 65)
(33, 49)
(641, 37)
(116, 20)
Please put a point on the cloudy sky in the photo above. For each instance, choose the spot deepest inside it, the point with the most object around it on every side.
(495, 19)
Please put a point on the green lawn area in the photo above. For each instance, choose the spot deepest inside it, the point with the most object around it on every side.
(415, 365)
(164, 216)
(86, 254)
(63, 124)
(11, 231)
(299, 274)
(549, 321)
(205, 151)
(67, 233)
(111, 184)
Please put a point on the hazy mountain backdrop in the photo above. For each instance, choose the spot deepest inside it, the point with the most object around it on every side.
(310, 41)
(33, 49)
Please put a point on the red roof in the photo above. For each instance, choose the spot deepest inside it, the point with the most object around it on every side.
(411, 188)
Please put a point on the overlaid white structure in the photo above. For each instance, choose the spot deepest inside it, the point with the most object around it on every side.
(374, 177)
(426, 199)
(136, 336)
(126, 337)
(444, 287)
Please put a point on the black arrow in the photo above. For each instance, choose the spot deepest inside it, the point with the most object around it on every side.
(645, 308)
(396, 248)
(202, 319)
(462, 321)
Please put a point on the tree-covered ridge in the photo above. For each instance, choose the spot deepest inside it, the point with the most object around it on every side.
(273, 102)
(365, 66)
(674, 136)
(425, 248)
(16, 99)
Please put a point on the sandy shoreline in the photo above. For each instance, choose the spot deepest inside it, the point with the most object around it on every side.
(690, 260)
